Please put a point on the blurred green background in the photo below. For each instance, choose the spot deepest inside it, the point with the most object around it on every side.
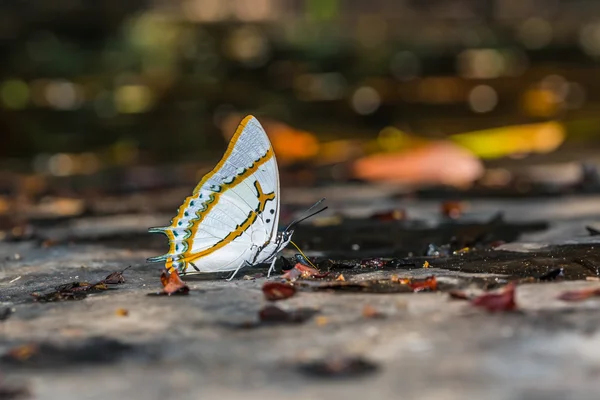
(90, 84)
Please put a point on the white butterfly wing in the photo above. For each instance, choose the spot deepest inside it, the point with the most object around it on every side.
(234, 210)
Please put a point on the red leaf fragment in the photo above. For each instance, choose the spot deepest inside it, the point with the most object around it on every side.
(420, 285)
(274, 291)
(579, 295)
(172, 283)
(292, 274)
(301, 271)
(493, 302)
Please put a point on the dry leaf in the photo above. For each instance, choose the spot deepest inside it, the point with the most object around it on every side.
(301, 271)
(274, 291)
(116, 277)
(452, 209)
(579, 295)
(23, 352)
(172, 283)
(420, 285)
(504, 301)
(122, 312)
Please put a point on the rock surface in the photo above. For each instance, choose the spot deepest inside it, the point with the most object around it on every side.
(122, 343)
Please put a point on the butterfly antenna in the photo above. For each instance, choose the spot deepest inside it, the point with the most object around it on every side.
(304, 255)
(298, 220)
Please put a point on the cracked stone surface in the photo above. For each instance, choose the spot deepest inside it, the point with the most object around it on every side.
(426, 346)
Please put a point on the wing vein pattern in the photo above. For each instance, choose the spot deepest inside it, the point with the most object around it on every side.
(233, 209)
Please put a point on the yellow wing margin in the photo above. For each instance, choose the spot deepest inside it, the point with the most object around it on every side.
(228, 152)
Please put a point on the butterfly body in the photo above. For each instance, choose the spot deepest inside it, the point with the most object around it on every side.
(231, 219)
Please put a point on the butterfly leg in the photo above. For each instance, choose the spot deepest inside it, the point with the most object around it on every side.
(272, 267)
(245, 264)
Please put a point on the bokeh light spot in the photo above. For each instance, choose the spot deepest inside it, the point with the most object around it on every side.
(133, 99)
(483, 98)
(249, 46)
(366, 100)
(535, 33)
(481, 64)
(14, 94)
(63, 95)
(60, 164)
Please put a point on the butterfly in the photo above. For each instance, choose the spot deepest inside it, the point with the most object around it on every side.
(231, 219)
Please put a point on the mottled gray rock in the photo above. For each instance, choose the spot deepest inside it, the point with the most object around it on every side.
(188, 347)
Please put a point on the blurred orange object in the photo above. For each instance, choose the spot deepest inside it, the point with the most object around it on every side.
(452, 209)
(431, 163)
(290, 144)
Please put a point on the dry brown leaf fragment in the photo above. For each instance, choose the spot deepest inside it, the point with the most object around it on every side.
(340, 278)
(493, 302)
(116, 277)
(274, 291)
(22, 352)
(426, 264)
(420, 285)
(579, 295)
(301, 271)
(122, 312)
(172, 283)
(452, 209)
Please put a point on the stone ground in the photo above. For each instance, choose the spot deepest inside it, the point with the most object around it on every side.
(426, 346)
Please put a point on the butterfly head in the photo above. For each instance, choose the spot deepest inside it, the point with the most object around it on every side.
(284, 238)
